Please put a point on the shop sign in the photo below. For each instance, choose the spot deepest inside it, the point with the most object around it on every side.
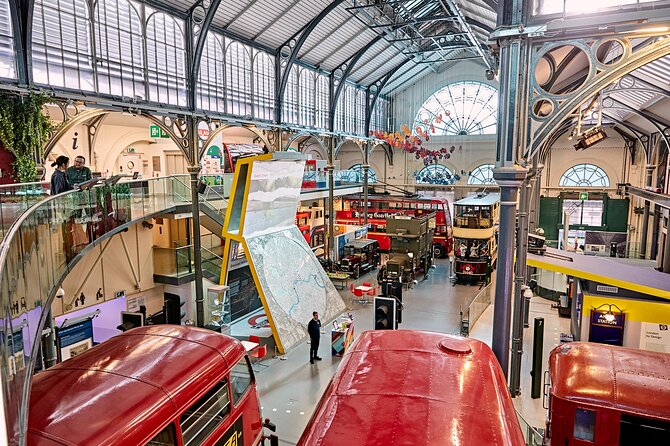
(157, 132)
(606, 328)
(583, 196)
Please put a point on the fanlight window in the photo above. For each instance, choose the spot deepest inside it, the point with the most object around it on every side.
(482, 175)
(585, 175)
(355, 174)
(461, 108)
(435, 174)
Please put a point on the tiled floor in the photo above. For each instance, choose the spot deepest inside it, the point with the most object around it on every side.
(291, 388)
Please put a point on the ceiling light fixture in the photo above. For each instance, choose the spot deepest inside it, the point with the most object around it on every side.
(590, 138)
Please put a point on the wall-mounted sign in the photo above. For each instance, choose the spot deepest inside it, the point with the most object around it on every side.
(118, 294)
(606, 328)
(655, 337)
(135, 302)
(583, 196)
(156, 132)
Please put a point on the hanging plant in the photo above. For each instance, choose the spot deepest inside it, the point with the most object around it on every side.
(24, 130)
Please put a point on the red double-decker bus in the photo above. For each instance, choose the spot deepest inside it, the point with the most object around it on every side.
(157, 385)
(404, 387)
(381, 207)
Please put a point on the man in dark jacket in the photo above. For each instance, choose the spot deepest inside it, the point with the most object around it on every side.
(314, 330)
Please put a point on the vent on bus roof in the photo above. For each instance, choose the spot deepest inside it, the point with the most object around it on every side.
(455, 345)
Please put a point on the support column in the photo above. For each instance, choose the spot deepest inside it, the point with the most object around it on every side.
(512, 138)
(654, 233)
(197, 247)
(366, 179)
(519, 281)
(331, 202)
(509, 179)
(645, 215)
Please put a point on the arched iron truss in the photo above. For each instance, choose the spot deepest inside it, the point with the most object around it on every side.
(599, 76)
(307, 136)
(288, 54)
(611, 103)
(216, 128)
(75, 114)
(339, 81)
(200, 17)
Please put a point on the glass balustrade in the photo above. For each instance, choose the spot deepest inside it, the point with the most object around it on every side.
(39, 250)
(173, 262)
(15, 199)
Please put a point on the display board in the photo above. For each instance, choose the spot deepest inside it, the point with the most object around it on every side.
(74, 339)
(273, 196)
(293, 282)
(655, 337)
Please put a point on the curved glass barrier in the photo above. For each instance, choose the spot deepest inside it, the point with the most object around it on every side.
(15, 199)
(39, 250)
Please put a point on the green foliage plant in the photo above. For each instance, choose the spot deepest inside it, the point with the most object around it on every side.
(24, 131)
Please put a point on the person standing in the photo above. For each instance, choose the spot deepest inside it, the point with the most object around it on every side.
(314, 330)
(79, 172)
(59, 182)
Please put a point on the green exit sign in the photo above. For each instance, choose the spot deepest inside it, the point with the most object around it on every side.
(583, 196)
(157, 132)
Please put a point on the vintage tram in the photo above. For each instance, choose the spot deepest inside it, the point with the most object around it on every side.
(608, 395)
(415, 388)
(476, 220)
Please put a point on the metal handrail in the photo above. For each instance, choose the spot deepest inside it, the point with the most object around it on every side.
(532, 434)
(467, 318)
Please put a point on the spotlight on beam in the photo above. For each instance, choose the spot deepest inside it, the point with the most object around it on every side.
(590, 137)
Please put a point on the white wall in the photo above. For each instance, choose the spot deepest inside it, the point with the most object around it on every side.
(114, 273)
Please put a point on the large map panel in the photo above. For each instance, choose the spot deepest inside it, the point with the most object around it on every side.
(273, 195)
(293, 282)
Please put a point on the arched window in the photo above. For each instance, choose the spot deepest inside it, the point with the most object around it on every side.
(238, 79)
(290, 114)
(306, 98)
(355, 174)
(482, 175)
(7, 68)
(61, 38)
(264, 86)
(119, 48)
(461, 108)
(211, 78)
(166, 59)
(435, 174)
(585, 175)
(322, 98)
(360, 112)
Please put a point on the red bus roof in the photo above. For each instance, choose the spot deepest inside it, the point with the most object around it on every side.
(125, 389)
(415, 388)
(629, 380)
(384, 197)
